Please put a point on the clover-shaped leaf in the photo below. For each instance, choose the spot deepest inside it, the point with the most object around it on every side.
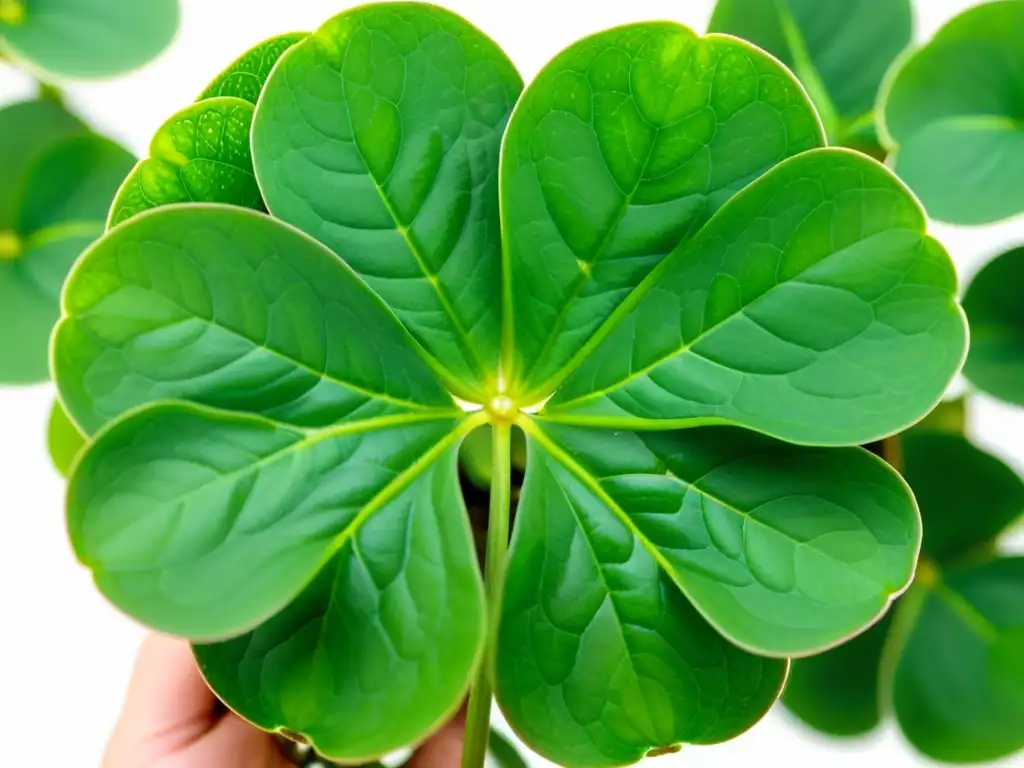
(840, 50)
(277, 415)
(950, 113)
(71, 38)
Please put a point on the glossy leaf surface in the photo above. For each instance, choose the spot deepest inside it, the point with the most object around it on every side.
(379, 648)
(967, 496)
(995, 363)
(838, 692)
(379, 135)
(63, 439)
(620, 150)
(245, 77)
(229, 308)
(951, 114)
(90, 38)
(840, 49)
(601, 657)
(795, 312)
(200, 155)
(958, 687)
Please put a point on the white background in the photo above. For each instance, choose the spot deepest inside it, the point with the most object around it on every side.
(65, 654)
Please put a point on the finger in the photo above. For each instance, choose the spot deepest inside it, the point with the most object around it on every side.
(443, 749)
(234, 743)
(168, 705)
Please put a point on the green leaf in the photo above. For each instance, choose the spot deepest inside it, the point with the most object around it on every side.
(967, 496)
(63, 439)
(601, 657)
(245, 77)
(837, 692)
(947, 416)
(504, 753)
(204, 523)
(378, 650)
(476, 454)
(786, 550)
(958, 685)
(200, 155)
(88, 38)
(620, 150)
(995, 363)
(951, 113)
(229, 308)
(840, 49)
(73, 181)
(30, 286)
(26, 129)
(379, 135)
(812, 307)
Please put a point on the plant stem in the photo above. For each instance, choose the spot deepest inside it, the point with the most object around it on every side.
(478, 719)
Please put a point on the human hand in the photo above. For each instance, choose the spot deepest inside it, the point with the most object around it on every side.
(171, 719)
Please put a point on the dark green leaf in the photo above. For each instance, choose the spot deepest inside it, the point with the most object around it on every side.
(601, 657)
(204, 523)
(230, 308)
(812, 307)
(504, 753)
(200, 155)
(378, 650)
(967, 497)
(63, 439)
(88, 38)
(952, 110)
(837, 692)
(379, 135)
(619, 151)
(995, 311)
(958, 685)
(245, 77)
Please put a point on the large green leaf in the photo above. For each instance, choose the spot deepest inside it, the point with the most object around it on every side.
(245, 77)
(958, 685)
(379, 648)
(812, 307)
(26, 129)
(204, 523)
(840, 49)
(837, 692)
(967, 497)
(951, 113)
(379, 135)
(230, 308)
(200, 155)
(63, 439)
(620, 150)
(786, 550)
(87, 38)
(995, 311)
(601, 657)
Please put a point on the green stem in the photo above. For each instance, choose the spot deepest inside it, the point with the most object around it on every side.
(478, 719)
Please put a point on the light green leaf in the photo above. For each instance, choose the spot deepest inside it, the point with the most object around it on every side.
(476, 454)
(200, 155)
(840, 49)
(601, 658)
(379, 648)
(379, 135)
(63, 439)
(947, 416)
(88, 38)
(204, 523)
(620, 150)
(245, 77)
(951, 113)
(958, 685)
(967, 496)
(837, 692)
(995, 363)
(786, 550)
(232, 309)
(812, 307)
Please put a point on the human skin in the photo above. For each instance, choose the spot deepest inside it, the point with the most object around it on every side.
(170, 719)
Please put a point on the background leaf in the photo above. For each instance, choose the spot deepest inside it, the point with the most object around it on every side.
(379, 135)
(63, 439)
(621, 149)
(245, 77)
(835, 324)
